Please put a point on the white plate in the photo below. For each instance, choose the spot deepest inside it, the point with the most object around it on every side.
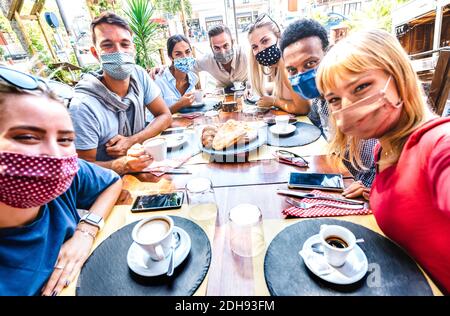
(353, 270)
(234, 89)
(140, 262)
(175, 140)
(275, 129)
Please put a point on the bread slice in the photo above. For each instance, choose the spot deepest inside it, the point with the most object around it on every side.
(228, 134)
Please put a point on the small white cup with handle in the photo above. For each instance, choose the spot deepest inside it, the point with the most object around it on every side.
(156, 147)
(154, 236)
(238, 85)
(337, 243)
(282, 122)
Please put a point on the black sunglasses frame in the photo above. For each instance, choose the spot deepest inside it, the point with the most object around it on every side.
(291, 158)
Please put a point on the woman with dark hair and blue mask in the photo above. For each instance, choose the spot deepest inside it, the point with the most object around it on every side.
(178, 81)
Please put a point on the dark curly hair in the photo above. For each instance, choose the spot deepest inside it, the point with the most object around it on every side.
(301, 29)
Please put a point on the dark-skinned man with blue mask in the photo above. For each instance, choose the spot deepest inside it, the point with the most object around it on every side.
(304, 43)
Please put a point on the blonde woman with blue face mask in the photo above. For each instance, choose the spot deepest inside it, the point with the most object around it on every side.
(373, 92)
(177, 82)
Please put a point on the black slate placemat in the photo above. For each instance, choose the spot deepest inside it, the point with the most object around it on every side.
(106, 272)
(304, 134)
(391, 270)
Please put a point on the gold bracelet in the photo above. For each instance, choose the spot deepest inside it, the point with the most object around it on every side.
(86, 232)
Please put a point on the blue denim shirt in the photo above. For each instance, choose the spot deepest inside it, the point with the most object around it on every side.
(167, 84)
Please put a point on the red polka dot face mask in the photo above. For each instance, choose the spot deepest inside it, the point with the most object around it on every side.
(29, 181)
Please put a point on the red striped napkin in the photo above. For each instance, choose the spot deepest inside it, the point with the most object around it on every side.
(191, 115)
(323, 211)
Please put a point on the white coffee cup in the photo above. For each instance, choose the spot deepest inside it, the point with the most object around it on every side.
(337, 242)
(154, 236)
(156, 147)
(198, 94)
(238, 85)
(282, 122)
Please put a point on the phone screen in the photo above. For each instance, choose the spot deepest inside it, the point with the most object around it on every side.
(172, 131)
(156, 202)
(317, 180)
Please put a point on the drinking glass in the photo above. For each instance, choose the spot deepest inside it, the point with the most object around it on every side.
(246, 230)
(201, 199)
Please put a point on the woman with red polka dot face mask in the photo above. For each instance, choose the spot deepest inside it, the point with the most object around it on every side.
(43, 240)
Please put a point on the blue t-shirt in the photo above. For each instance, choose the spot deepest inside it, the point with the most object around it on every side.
(95, 124)
(28, 254)
(167, 83)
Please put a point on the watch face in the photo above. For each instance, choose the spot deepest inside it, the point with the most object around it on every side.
(94, 217)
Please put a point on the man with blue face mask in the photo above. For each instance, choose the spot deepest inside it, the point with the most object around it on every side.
(108, 107)
(303, 45)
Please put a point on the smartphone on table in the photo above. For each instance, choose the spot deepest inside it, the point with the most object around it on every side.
(176, 130)
(158, 202)
(321, 181)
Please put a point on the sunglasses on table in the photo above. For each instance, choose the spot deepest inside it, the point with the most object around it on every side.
(290, 158)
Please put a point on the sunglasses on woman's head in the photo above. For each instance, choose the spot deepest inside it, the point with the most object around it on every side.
(262, 17)
(19, 79)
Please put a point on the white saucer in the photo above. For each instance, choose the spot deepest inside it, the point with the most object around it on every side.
(275, 129)
(138, 259)
(353, 270)
(175, 141)
(234, 89)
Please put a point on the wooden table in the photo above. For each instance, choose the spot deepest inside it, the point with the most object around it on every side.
(251, 182)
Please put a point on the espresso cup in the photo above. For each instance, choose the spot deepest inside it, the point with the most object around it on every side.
(337, 242)
(198, 94)
(154, 236)
(238, 85)
(156, 147)
(282, 122)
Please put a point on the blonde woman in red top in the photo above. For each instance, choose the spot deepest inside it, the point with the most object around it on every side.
(373, 92)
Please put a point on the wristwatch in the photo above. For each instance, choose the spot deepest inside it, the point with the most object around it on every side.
(93, 219)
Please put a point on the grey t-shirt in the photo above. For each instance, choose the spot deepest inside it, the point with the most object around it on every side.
(95, 125)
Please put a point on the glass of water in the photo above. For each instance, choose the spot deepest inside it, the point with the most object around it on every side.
(201, 199)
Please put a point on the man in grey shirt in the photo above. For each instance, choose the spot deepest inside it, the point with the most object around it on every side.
(108, 107)
(226, 62)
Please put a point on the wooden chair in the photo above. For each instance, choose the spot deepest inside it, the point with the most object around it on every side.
(440, 84)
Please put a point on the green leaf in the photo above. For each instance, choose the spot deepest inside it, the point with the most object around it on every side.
(139, 14)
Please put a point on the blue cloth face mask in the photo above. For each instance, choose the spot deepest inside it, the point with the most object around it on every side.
(304, 84)
(118, 65)
(184, 64)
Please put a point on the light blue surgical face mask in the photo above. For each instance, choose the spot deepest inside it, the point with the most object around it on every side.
(304, 84)
(185, 64)
(118, 65)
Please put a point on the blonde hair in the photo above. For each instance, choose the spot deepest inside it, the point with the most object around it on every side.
(257, 71)
(359, 53)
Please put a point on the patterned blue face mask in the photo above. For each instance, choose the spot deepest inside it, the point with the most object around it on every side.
(184, 64)
(304, 84)
(118, 65)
